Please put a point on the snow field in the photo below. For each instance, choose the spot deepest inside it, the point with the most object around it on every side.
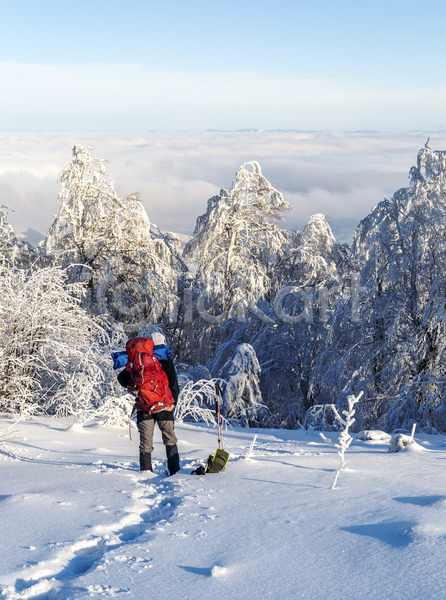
(80, 521)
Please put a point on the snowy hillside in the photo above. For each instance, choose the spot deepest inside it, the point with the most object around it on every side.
(80, 521)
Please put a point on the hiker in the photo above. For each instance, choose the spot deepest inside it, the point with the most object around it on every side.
(157, 395)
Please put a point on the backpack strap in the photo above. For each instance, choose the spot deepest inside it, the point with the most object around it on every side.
(141, 367)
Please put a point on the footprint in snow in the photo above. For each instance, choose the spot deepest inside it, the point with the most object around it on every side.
(152, 505)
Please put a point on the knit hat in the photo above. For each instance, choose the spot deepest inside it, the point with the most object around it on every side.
(158, 338)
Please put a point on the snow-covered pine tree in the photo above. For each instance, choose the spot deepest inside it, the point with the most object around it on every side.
(109, 243)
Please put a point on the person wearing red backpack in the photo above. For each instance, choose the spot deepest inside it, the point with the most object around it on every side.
(151, 372)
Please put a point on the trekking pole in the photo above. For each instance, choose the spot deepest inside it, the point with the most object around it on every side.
(131, 414)
(218, 392)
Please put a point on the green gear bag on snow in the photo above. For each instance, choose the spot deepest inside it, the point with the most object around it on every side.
(217, 462)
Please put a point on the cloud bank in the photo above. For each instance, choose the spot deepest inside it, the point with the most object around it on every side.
(342, 175)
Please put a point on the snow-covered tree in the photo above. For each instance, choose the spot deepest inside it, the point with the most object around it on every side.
(234, 252)
(289, 333)
(14, 251)
(110, 244)
(390, 346)
(242, 398)
(315, 258)
(7, 237)
(237, 243)
(49, 345)
(286, 354)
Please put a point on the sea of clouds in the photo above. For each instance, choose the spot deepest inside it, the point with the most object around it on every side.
(340, 174)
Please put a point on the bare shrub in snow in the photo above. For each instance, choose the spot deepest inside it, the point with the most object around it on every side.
(115, 410)
(197, 401)
(323, 417)
(10, 433)
(345, 439)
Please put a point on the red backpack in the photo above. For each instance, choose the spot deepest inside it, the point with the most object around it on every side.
(148, 376)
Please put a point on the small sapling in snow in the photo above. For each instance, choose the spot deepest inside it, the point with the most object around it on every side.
(345, 439)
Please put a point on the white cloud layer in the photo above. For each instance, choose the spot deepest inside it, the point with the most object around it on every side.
(342, 175)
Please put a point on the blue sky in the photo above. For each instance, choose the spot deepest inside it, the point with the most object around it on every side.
(223, 64)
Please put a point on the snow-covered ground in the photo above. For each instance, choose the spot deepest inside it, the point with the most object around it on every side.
(78, 520)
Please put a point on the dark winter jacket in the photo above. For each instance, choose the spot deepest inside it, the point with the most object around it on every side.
(169, 368)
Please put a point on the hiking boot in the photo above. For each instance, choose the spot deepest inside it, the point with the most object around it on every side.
(173, 459)
(145, 461)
